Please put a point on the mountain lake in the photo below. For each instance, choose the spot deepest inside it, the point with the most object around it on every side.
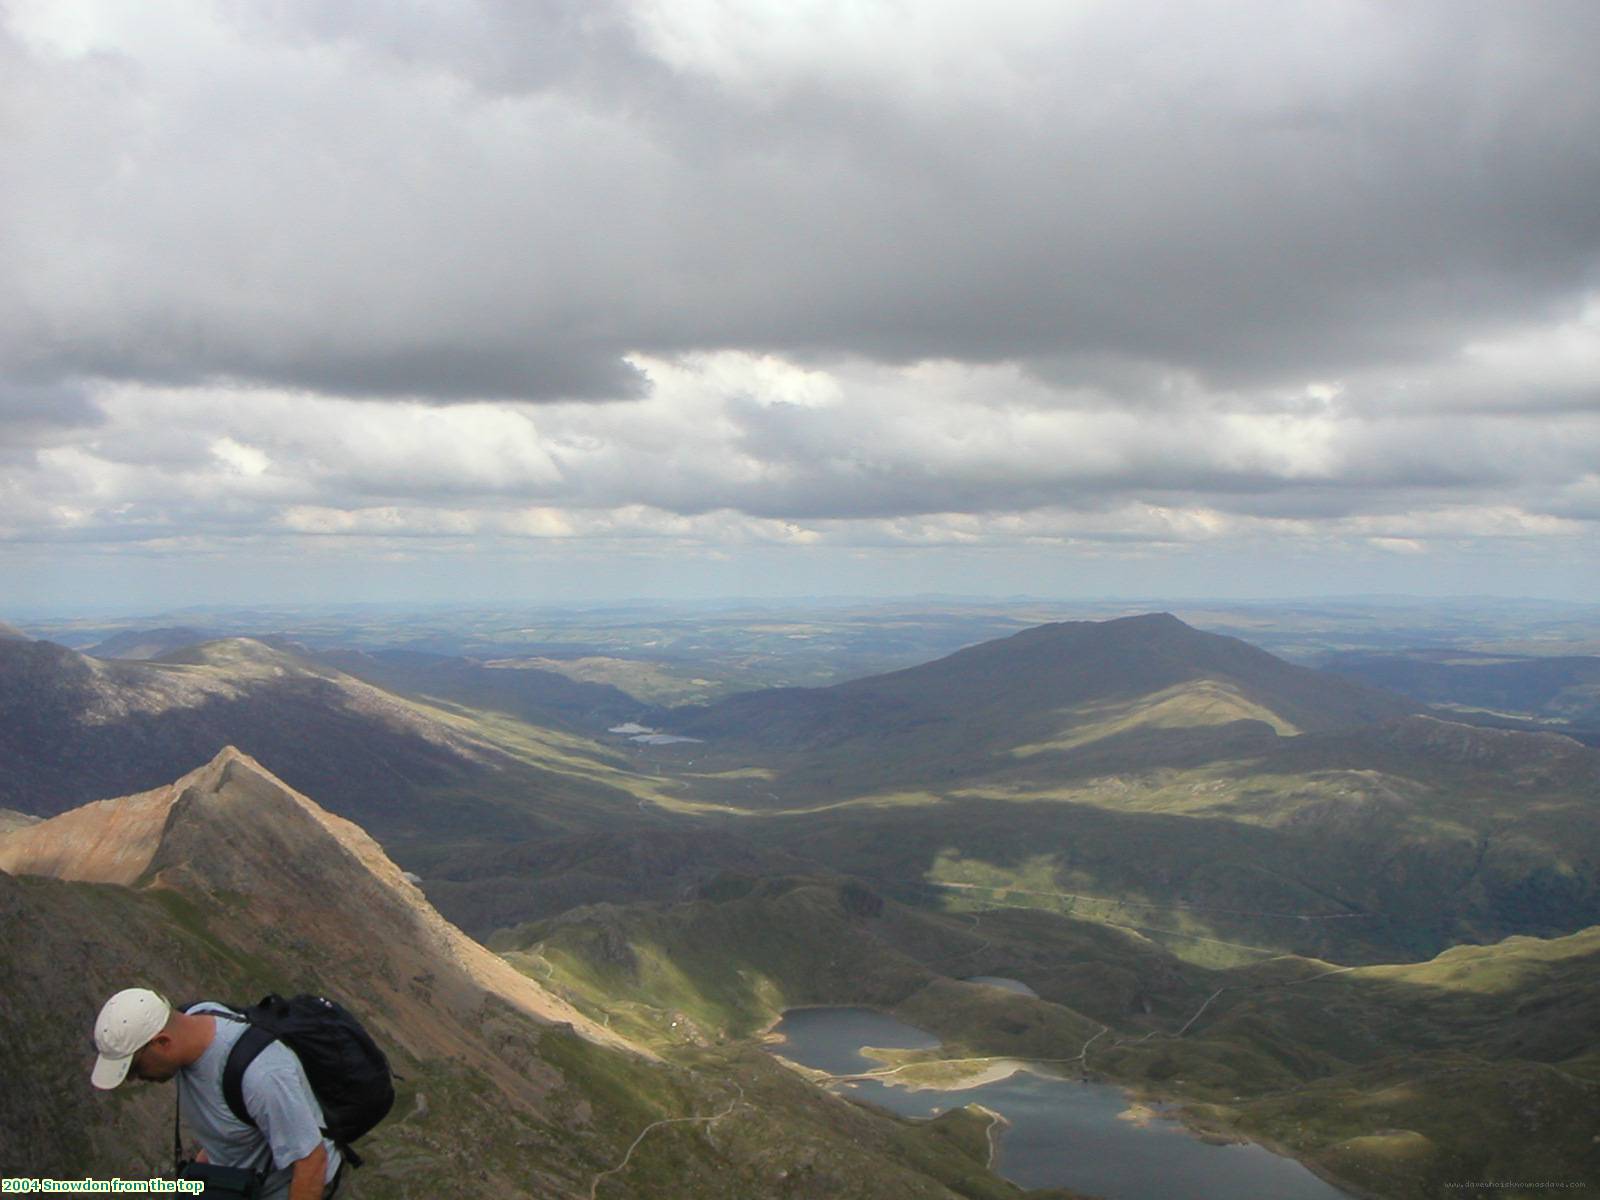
(1004, 984)
(1061, 1132)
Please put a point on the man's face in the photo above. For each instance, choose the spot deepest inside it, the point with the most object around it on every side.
(154, 1061)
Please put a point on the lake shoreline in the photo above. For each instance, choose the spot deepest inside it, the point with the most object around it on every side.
(1144, 1106)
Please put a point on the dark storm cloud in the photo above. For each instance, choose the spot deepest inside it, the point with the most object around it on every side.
(502, 200)
(434, 370)
(35, 406)
(34, 414)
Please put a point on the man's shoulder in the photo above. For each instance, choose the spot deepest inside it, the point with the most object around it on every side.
(202, 1008)
(273, 1058)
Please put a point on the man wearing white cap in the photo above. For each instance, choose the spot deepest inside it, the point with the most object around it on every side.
(139, 1033)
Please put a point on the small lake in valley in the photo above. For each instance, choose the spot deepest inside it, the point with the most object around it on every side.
(1004, 984)
(1062, 1133)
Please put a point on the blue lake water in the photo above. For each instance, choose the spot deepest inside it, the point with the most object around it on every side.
(830, 1039)
(1062, 1133)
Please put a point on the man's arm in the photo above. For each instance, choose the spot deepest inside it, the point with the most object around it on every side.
(286, 1112)
(307, 1181)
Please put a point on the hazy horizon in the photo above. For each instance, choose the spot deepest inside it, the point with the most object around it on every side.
(796, 603)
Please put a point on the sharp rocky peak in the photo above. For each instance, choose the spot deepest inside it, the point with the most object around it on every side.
(234, 837)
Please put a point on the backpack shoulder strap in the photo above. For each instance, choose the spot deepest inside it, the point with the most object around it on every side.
(251, 1043)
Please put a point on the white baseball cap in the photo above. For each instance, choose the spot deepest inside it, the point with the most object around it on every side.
(130, 1019)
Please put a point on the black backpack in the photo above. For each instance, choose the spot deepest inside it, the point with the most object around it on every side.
(346, 1070)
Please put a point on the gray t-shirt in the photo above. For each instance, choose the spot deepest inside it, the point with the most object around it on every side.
(288, 1117)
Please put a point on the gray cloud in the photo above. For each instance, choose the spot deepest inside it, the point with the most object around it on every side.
(765, 440)
(504, 200)
(1252, 283)
(36, 414)
(26, 406)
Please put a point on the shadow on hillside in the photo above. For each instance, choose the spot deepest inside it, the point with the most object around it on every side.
(1361, 898)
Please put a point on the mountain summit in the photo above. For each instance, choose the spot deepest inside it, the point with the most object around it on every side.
(1045, 682)
(234, 832)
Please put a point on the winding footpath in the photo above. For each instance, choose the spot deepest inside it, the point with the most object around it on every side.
(645, 1132)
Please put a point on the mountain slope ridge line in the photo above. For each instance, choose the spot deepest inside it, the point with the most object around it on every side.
(230, 826)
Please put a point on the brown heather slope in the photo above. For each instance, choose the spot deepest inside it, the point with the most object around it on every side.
(231, 832)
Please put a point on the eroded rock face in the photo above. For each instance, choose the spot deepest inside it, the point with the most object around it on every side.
(110, 841)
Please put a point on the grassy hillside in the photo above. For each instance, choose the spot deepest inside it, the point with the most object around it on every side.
(1479, 1065)
(1350, 864)
(496, 1098)
(1560, 691)
(483, 889)
(564, 1115)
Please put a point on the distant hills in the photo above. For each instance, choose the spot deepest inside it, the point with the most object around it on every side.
(1560, 691)
(75, 728)
(1040, 687)
(79, 728)
(1070, 766)
(151, 643)
(541, 697)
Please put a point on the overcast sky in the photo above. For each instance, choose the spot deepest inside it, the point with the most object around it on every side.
(566, 299)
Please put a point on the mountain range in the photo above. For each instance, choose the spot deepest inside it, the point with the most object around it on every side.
(1041, 682)
(74, 728)
(1560, 692)
(1307, 908)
